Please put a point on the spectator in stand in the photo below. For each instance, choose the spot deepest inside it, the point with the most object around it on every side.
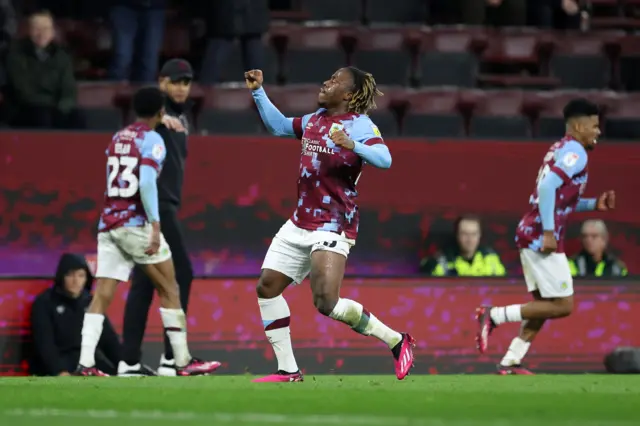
(558, 14)
(594, 260)
(56, 322)
(465, 257)
(228, 20)
(138, 32)
(41, 88)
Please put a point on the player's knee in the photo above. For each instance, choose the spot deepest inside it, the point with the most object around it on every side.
(324, 303)
(564, 307)
(267, 289)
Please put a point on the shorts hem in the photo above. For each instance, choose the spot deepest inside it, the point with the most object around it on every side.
(153, 260)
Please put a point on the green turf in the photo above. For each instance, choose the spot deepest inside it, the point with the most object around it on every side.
(584, 400)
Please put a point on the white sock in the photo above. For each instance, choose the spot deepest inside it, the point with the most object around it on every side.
(502, 314)
(276, 318)
(91, 332)
(175, 325)
(362, 321)
(517, 350)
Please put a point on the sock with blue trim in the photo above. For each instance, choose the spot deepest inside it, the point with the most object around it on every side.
(364, 322)
(276, 318)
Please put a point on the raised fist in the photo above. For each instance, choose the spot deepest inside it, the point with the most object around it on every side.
(253, 79)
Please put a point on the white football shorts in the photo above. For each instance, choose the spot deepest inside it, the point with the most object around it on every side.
(547, 273)
(291, 248)
(120, 249)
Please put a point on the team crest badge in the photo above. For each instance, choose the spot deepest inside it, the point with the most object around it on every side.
(335, 127)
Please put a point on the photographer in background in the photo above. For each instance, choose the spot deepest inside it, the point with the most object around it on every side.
(56, 323)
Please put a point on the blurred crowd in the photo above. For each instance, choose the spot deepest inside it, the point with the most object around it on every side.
(37, 71)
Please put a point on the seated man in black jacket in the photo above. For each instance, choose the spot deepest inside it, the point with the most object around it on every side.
(56, 323)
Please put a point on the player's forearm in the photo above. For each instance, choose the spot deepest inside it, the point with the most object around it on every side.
(547, 200)
(586, 205)
(377, 155)
(276, 122)
(149, 193)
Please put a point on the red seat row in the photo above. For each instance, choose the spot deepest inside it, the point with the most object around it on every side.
(524, 45)
(303, 98)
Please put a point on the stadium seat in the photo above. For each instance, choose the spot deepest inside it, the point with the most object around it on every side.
(511, 48)
(498, 114)
(229, 111)
(629, 64)
(402, 12)
(433, 113)
(314, 54)
(622, 120)
(447, 59)
(581, 62)
(234, 67)
(97, 103)
(296, 100)
(377, 49)
(348, 11)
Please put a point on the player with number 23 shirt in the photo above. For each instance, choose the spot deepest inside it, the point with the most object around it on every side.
(129, 233)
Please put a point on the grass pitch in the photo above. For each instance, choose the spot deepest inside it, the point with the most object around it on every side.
(548, 400)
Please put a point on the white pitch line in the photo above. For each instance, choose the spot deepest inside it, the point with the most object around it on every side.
(223, 417)
(278, 419)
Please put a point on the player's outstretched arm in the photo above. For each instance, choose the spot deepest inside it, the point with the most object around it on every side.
(273, 119)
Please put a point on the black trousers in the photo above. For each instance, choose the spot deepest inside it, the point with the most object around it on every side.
(142, 290)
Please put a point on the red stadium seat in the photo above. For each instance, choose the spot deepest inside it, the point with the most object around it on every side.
(377, 48)
(497, 114)
(97, 102)
(296, 100)
(496, 102)
(434, 113)
(448, 57)
(228, 111)
(622, 118)
(581, 60)
(519, 48)
(314, 53)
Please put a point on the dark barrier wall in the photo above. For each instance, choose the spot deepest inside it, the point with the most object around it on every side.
(239, 191)
(224, 323)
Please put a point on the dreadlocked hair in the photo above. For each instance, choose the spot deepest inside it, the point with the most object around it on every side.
(365, 91)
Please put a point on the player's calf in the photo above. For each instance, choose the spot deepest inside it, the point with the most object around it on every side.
(173, 317)
(276, 319)
(326, 277)
(93, 324)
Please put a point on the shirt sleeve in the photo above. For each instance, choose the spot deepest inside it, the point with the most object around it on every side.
(364, 131)
(570, 160)
(275, 121)
(369, 144)
(153, 151)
